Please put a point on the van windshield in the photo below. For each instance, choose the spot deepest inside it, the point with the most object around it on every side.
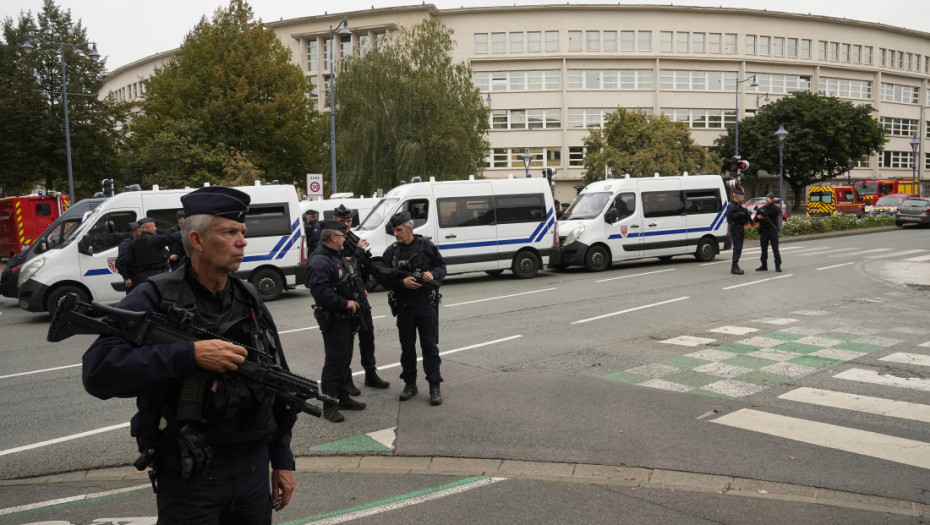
(587, 206)
(378, 215)
(88, 221)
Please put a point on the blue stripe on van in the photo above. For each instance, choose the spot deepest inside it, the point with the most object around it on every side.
(502, 242)
(714, 226)
(99, 271)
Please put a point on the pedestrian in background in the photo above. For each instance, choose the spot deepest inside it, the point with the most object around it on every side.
(737, 217)
(768, 217)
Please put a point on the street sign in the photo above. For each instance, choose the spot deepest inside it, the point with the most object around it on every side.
(314, 185)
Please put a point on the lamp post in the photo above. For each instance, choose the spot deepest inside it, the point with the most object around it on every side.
(343, 29)
(915, 146)
(782, 134)
(28, 48)
(526, 161)
(738, 82)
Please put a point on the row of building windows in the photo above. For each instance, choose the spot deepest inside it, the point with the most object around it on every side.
(896, 159)
(902, 60)
(533, 80)
(900, 127)
(128, 92)
(364, 43)
(697, 118)
(526, 118)
(846, 88)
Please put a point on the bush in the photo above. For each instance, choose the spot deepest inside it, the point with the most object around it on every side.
(803, 225)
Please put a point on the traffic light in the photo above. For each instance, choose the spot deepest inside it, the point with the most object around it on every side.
(742, 164)
(107, 187)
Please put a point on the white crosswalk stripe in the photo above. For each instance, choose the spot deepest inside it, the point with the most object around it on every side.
(822, 250)
(893, 254)
(875, 378)
(874, 250)
(860, 403)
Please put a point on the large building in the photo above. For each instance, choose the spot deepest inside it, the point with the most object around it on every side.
(549, 72)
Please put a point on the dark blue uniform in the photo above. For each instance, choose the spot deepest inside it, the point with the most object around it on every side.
(737, 216)
(175, 246)
(148, 256)
(123, 258)
(417, 310)
(326, 269)
(242, 429)
(366, 330)
(768, 217)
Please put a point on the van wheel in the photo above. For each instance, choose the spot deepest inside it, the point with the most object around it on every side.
(268, 282)
(51, 304)
(597, 259)
(525, 265)
(706, 251)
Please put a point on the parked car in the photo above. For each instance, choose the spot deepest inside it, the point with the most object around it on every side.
(914, 210)
(889, 204)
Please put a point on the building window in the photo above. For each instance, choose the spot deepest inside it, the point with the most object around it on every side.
(822, 50)
(498, 42)
(682, 40)
(805, 48)
(834, 51)
(516, 42)
(697, 42)
(552, 41)
(593, 40)
(750, 44)
(626, 41)
(714, 42)
(513, 157)
(729, 43)
(844, 52)
(764, 45)
(900, 127)
(574, 41)
(895, 159)
(702, 118)
(610, 40)
(665, 40)
(899, 93)
(623, 79)
(645, 40)
(685, 80)
(792, 47)
(846, 88)
(313, 55)
(856, 54)
(534, 41)
(576, 156)
(778, 46)
(345, 47)
(780, 84)
(481, 43)
(867, 55)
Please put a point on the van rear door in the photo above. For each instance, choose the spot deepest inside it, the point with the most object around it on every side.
(467, 226)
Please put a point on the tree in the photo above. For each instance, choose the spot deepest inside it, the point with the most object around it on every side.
(823, 133)
(640, 144)
(406, 110)
(230, 100)
(32, 122)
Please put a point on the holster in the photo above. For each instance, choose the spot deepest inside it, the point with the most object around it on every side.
(392, 303)
(323, 317)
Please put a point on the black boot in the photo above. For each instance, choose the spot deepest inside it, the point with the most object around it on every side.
(778, 268)
(331, 413)
(347, 403)
(372, 379)
(763, 268)
(435, 396)
(410, 390)
(735, 269)
(352, 390)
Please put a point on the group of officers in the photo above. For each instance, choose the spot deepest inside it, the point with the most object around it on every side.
(768, 217)
(213, 467)
(146, 252)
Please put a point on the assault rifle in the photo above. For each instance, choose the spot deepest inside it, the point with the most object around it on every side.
(147, 328)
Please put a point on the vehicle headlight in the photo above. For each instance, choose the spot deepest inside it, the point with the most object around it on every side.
(574, 235)
(30, 269)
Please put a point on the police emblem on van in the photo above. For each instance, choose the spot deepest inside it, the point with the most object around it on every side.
(623, 230)
(111, 264)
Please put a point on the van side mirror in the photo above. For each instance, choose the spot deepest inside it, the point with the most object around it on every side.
(85, 246)
(388, 230)
(611, 216)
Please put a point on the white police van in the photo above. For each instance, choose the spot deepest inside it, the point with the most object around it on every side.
(619, 219)
(275, 257)
(478, 225)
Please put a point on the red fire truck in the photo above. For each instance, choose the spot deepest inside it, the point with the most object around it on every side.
(24, 218)
(872, 190)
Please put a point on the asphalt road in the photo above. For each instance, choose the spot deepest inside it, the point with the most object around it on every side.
(813, 379)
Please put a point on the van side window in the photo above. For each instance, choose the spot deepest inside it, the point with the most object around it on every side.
(419, 211)
(268, 220)
(108, 232)
(662, 203)
(462, 212)
(520, 208)
(164, 218)
(702, 201)
(625, 205)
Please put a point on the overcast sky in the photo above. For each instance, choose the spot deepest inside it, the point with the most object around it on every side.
(128, 30)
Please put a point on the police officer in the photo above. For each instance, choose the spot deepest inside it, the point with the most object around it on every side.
(768, 217)
(312, 229)
(415, 298)
(337, 290)
(210, 448)
(737, 217)
(356, 249)
(176, 248)
(149, 254)
(124, 254)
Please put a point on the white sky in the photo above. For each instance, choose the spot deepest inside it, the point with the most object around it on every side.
(128, 30)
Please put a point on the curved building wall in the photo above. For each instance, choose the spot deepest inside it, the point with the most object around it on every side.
(549, 72)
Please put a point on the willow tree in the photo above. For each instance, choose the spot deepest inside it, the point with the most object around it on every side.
(405, 109)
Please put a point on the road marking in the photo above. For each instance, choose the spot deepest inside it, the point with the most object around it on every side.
(500, 297)
(62, 439)
(835, 266)
(757, 282)
(859, 403)
(79, 497)
(920, 258)
(715, 262)
(629, 310)
(635, 275)
(910, 359)
(873, 377)
(867, 251)
(872, 444)
(398, 502)
(821, 251)
(894, 254)
(447, 352)
(40, 371)
(316, 326)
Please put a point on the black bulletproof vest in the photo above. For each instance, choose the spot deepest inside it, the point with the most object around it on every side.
(145, 255)
(410, 258)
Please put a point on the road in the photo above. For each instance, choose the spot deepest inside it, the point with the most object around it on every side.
(807, 387)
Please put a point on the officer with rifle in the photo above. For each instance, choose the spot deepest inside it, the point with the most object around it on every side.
(124, 254)
(207, 433)
(339, 294)
(356, 249)
(414, 299)
(148, 254)
(737, 217)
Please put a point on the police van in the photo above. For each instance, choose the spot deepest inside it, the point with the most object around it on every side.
(275, 257)
(619, 219)
(478, 225)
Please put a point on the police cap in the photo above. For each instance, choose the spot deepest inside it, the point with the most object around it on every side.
(134, 226)
(770, 195)
(219, 201)
(311, 212)
(144, 220)
(738, 191)
(179, 214)
(342, 212)
(332, 225)
(400, 218)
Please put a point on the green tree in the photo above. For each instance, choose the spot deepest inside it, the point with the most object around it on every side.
(641, 144)
(229, 99)
(405, 110)
(823, 133)
(32, 122)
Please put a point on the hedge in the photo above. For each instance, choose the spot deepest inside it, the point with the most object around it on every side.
(803, 225)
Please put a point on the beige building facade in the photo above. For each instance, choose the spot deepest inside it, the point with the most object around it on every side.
(549, 72)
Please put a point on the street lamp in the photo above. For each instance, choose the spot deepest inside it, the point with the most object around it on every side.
(343, 29)
(28, 48)
(526, 160)
(766, 99)
(915, 146)
(738, 82)
(782, 134)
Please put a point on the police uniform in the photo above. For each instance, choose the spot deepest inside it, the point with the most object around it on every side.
(124, 254)
(176, 246)
(312, 230)
(239, 425)
(417, 310)
(767, 217)
(333, 282)
(737, 216)
(149, 255)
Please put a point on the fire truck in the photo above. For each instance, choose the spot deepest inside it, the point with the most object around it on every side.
(823, 201)
(872, 190)
(24, 218)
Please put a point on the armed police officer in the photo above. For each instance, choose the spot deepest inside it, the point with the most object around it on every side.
(147, 255)
(356, 249)
(415, 299)
(768, 217)
(124, 254)
(176, 246)
(208, 435)
(737, 217)
(338, 291)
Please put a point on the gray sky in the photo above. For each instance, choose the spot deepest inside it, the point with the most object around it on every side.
(127, 30)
